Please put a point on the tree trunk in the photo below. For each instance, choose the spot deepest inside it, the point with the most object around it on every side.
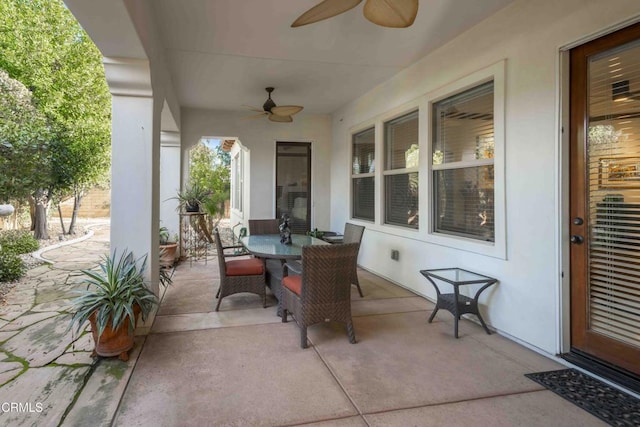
(41, 200)
(32, 213)
(77, 199)
(61, 221)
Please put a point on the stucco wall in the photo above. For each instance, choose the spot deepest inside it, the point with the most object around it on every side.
(529, 35)
(259, 136)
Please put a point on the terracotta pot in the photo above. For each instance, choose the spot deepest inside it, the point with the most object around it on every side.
(168, 255)
(112, 342)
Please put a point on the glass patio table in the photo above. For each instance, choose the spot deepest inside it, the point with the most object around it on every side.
(455, 303)
(269, 246)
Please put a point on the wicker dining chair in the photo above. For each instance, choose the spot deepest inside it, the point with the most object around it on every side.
(241, 275)
(323, 291)
(353, 234)
(264, 226)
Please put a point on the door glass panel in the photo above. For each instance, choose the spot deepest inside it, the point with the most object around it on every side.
(293, 184)
(613, 159)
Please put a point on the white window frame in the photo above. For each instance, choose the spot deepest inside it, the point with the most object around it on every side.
(373, 174)
(404, 171)
(497, 248)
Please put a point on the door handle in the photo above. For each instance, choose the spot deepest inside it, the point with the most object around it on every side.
(577, 239)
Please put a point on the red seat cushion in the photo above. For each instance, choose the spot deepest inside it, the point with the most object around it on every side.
(293, 283)
(244, 267)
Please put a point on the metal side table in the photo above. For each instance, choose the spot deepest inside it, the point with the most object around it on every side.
(455, 303)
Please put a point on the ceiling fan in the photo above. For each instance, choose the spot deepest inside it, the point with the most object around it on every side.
(387, 13)
(280, 114)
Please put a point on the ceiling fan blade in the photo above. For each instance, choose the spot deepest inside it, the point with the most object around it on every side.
(325, 10)
(280, 119)
(256, 116)
(286, 110)
(391, 13)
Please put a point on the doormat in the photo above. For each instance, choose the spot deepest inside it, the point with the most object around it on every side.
(599, 399)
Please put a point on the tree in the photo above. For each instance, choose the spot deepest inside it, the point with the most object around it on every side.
(64, 71)
(210, 169)
(23, 140)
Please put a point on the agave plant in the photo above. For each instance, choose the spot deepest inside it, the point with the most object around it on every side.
(113, 292)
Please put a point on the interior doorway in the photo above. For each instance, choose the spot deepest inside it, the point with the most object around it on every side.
(293, 184)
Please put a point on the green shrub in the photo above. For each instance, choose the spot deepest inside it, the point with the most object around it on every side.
(18, 242)
(11, 267)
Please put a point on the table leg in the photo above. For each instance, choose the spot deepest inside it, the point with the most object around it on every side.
(433, 313)
(456, 311)
(477, 306)
(435, 309)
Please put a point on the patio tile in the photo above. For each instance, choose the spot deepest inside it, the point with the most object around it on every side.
(401, 361)
(342, 422)
(539, 408)
(231, 376)
(375, 287)
(366, 307)
(189, 296)
(471, 329)
(198, 321)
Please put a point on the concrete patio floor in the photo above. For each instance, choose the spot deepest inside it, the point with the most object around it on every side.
(242, 366)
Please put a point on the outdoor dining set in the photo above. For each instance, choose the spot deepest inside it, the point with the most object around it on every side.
(310, 277)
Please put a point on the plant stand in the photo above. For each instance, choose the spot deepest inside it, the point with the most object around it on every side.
(193, 236)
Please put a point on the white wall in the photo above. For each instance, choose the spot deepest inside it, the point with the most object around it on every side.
(259, 136)
(169, 181)
(529, 35)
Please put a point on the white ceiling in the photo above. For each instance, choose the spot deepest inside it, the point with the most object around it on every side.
(223, 53)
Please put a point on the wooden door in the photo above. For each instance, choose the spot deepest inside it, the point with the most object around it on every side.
(605, 199)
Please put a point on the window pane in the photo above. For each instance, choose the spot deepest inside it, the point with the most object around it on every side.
(401, 142)
(463, 126)
(363, 151)
(464, 202)
(401, 199)
(363, 198)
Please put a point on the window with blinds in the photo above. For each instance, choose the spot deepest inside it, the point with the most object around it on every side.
(613, 159)
(463, 169)
(363, 175)
(401, 150)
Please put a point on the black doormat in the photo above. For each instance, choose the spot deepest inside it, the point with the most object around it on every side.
(599, 399)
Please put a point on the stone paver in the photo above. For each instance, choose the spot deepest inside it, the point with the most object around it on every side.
(100, 397)
(41, 343)
(45, 394)
(44, 366)
(26, 320)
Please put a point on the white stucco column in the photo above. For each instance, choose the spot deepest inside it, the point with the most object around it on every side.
(169, 180)
(135, 160)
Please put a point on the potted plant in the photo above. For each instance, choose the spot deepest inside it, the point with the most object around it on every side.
(168, 249)
(191, 197)
(114, 297)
